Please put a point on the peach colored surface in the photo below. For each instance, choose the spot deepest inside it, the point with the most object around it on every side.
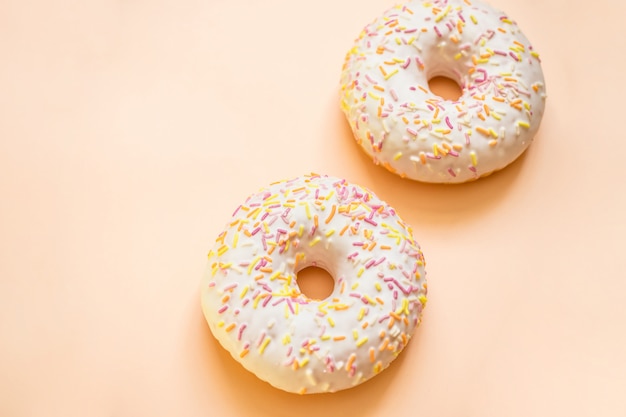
(130, 130)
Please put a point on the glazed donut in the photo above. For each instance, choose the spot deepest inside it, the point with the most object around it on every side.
(255, 309)
(414, 133)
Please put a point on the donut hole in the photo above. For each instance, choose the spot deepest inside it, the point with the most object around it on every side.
(315, 282)
(444, 87)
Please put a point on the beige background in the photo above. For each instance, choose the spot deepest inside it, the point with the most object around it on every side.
(131, 129)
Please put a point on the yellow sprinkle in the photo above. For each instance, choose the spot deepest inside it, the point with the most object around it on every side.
(361, 314)
(325, 337)
(443, 14)
(474, 19)
(331, 321)
(361, 342)
(330, 232)
(221, 250)
(378, 287)
(264, 345)
(235, 239)
(358, 274)
(257, 299)
(286, 339)
(315, 241)
(254, 213)
(458, 56)
(422, 298)
(355, 334)
(523, 124)
(397, 156)
(275, 275)
(405, 306)
(303, 362)
(474, 158)
(221, 323)
(257, 259)
(307, 211)
(391, 74)
(244, 291)
(374, 96)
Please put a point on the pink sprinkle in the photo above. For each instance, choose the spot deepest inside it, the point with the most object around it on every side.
(369, 264)
(514, 56)
(451, 172)
(222, 309)
(449, 123)
(370, 79)
(267, 300)
(437, 31)
(393, 93)
(410, 30)
(241, 329)
(261, 338)
(411, 131)
(372, 222)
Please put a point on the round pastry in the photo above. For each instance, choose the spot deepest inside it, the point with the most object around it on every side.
(255, 309)
(414, 133)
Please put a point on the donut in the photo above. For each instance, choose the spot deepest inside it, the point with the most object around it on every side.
(403, 126)
(256, 311)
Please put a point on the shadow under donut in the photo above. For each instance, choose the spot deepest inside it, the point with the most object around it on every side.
(248, 395)
(425, 202)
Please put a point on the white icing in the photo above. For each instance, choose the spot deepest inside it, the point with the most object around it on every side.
(255, 309)
(403, 126)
